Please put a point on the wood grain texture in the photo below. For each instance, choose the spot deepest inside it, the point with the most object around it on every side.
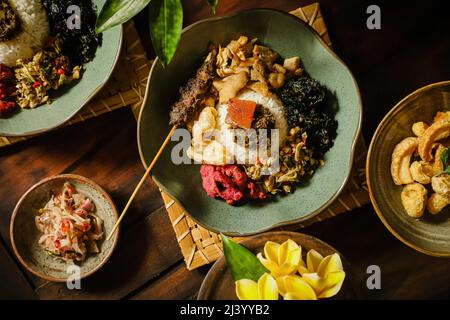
(410, 50)
(13, 284)
(168, 285)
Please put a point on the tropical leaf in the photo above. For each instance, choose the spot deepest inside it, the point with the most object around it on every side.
(166, 23)
(241, 262)
(116, 12)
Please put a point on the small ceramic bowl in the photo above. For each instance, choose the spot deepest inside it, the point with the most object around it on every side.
(430, 234)
(24, 234)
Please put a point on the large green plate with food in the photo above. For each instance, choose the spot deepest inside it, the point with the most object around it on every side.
(51, 62)
(267, 117)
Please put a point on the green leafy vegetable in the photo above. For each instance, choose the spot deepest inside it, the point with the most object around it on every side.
(116, 12)
(445, 158)
(166, 23)
(213, 4)
(241, 262)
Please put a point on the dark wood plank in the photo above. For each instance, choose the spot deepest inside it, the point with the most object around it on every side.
(178, 283)
(405, 72)
(13, 284)
(403, 22)
(116, 165)
(144, 251)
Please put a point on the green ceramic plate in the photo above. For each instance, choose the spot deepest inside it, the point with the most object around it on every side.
(73, 97)
(289, 36)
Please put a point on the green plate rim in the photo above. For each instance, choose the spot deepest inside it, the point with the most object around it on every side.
(352, 151)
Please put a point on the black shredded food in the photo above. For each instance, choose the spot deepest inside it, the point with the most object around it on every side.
(304, 101)
(80, 44)
(9, 21)
(264, 119)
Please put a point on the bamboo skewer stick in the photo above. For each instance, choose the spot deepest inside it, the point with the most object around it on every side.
(139, 185)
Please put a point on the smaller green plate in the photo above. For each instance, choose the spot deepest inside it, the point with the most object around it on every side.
(73, 97)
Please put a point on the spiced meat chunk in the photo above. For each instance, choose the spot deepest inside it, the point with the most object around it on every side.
(193, 93)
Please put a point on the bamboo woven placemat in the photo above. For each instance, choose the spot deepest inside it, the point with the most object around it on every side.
(126, 87)
(200, 246)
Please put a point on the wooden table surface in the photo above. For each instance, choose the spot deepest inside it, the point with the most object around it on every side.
(411, 50)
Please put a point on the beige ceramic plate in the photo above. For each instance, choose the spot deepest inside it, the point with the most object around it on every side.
(24, 234)
(219, 285)
(430, 234)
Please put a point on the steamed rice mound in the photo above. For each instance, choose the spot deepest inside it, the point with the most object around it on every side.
(34, 32)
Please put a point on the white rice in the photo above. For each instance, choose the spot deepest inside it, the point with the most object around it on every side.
(273, 104)
(34, 32)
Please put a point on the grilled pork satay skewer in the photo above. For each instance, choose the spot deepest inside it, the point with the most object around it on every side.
(182, 111)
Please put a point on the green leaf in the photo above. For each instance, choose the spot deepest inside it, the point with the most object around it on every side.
(116, 12)
(166, 23)
(445, 157)
(213, 4)
(241, 262)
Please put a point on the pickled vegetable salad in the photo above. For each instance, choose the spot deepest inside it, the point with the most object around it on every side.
(47, 71)
(69, 226)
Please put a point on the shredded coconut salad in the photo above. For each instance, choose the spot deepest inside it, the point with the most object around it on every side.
(69, 226)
